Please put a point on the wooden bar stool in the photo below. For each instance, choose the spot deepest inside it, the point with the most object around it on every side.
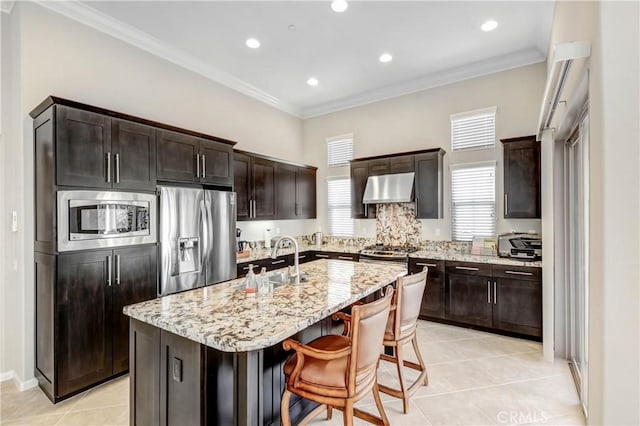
(401, 328)
(339, 370)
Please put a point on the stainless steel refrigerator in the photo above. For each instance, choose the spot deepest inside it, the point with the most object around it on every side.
(197, 238)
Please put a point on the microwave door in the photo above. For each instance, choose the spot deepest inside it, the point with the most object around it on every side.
(181, 243)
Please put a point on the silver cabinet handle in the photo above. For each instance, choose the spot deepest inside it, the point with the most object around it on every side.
(467, 268)
(198, 165)
(302, 256)
(204, 167)
(109, 271)
(117, 158)
(118, 269)
(255, 214)
(495, 294)
(246, 268)
(366, 210)
(277, 262)
(430, 265)
(324, 256)
(345, 257)
(109, 167)
(506, 204)
(528, 274)
(489, 292)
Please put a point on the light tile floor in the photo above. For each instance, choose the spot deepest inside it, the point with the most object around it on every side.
(475, 378)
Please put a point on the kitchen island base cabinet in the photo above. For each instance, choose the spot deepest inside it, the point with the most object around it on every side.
(176, 381)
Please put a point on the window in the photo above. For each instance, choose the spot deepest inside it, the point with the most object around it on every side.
(339, 150)
(339, 207)
(339, 153)
(473, 129)
(473, 201)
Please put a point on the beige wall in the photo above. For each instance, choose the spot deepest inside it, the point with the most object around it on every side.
(61, 57)
(421, 121)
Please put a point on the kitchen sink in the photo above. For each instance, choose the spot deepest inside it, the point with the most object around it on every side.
(277, 280)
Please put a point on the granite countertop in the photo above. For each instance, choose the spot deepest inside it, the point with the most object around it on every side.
(466, 257)
(222, 317)
(258, 254)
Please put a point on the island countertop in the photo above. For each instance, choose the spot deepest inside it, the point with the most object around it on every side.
(222, 317)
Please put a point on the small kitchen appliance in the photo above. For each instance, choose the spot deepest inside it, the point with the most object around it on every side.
(520, 245)
(317, 239)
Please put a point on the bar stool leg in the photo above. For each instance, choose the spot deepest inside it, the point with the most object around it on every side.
(329, 412)
(284, 408)
(376, 397)
(403, 387)
(414, 341)
(347, 417)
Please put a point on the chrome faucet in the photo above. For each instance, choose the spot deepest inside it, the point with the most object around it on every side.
(296, 265)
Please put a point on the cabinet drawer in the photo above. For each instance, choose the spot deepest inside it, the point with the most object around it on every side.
(523, 273)
(435, 266)
(468, 268)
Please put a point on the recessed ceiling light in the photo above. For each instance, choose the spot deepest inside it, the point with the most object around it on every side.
(292, 27)
(489, 26)
(339, 5)
(312, 81)
(252, 43)
(385, 57)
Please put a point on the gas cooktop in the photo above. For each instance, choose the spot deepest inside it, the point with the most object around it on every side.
(380, 250)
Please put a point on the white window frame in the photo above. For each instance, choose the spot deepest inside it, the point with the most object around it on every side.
(470, 115)
(339, 138)
(347, 228)
(336, 172)
(460, 166)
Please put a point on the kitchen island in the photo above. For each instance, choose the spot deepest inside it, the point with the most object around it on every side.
(213, 355)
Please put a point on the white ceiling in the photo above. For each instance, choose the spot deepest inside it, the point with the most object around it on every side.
(432, 43)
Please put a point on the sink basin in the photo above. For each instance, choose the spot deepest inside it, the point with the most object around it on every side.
(282, 278)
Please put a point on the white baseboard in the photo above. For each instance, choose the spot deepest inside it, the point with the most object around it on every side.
(7, 375)
(20, 384)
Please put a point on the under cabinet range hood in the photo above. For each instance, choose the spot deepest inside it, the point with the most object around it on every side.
(394, 188)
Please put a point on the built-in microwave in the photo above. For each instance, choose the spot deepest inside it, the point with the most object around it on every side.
(97, 219)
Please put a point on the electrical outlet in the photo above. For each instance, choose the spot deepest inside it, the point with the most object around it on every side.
(437, 232)
(15, 265)
(14, 221)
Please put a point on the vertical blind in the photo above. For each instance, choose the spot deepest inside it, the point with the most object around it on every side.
(474, 129)
(339, 207)
(339, 150)
(473, 202)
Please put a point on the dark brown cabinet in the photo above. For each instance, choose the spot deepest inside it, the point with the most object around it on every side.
(433, 299)
(517, 299)
(97, 151)
(468, 294)
(267, 189)
(521, 177)
(88, 333)
(428, 186)
(183, 157)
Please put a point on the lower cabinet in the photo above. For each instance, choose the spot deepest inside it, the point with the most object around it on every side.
(433, 300)
(88, 340)
(499, 298)
(353, 257)
(288, 260)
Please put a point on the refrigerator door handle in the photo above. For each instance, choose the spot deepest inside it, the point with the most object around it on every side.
(204, 253)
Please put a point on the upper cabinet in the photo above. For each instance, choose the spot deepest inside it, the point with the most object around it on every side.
(428, 190)
(134, 155)
(521, 177)
(188, 158)
(267, 189)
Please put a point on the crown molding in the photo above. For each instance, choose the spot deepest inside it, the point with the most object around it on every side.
(441, 78)
(6, 6)
(97, 20)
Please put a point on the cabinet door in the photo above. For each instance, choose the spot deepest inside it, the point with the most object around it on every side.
(359, 175)
(263, 177)
(242, 184)
(428, 185)
(134, 271)
(83, 148)
(468, 299)
(433, 299)
(521, 178)
(217, 163)
(84, 326)
(379, 167)
(518, 306)
(286, 191)
(134, 155)
(305, 193)
(178, 156)
(402, 164)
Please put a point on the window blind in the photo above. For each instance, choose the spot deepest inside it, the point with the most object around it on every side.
(339, 207)
(474, 129)
(473, 202)
(339, 150)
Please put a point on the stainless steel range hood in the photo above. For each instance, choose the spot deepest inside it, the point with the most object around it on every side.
(395, 188)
